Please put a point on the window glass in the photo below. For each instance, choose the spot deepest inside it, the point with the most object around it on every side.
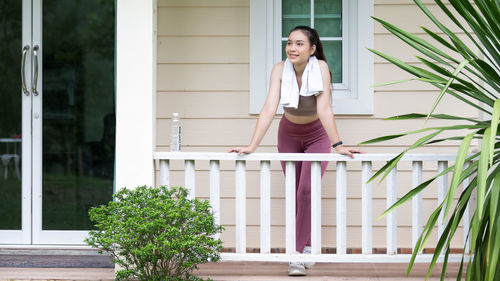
(78, 111)
(328, 17)
(10, 115)
(295, 12)
(327, 21)
(283, 53)
(333, 53)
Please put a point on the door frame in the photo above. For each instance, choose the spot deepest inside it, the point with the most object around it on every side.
(136, 72)
(31, 232)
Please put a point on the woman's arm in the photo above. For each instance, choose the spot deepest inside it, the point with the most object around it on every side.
(326, 115)
(267, 113)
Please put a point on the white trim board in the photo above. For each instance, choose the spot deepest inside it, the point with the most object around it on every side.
(136, 91)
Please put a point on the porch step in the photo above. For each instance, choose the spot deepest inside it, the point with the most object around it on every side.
(253, 271)
(52, 258)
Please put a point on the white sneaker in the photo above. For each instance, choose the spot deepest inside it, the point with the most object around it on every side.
(296, 269)
(307, 250)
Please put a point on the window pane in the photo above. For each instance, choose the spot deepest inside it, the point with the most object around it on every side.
(78, 111)
(10, 114)
(328, 17)
(295, 12)
(283, 53)
(333, 53)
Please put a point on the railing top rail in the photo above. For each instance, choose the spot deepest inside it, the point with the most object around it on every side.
(299, 156)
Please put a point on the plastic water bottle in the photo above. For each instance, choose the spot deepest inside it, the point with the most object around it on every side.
(175, 133)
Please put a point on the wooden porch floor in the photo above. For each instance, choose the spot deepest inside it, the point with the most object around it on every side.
(250, 271)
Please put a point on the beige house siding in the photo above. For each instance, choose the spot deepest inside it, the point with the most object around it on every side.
(203, 73)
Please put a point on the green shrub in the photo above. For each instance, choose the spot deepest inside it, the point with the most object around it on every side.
(156, 233)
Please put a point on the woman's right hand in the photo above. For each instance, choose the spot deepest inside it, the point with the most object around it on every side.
(240, 150)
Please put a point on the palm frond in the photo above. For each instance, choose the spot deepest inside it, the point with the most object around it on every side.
(453, 67)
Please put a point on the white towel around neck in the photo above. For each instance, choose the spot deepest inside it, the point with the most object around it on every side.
(312, 83)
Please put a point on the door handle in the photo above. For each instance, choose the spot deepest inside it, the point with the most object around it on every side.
(23, 68)
(35, 77)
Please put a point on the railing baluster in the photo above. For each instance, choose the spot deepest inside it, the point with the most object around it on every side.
(442, 189)
(215, 191)
(189, 178)
(265, 207)
(468, 211)
(165, 172)
(366, 205)
(316, 207)
(290, 206)
(367, 229)
(416, 213)
(240, 207)
(341, 207)
(392, 223)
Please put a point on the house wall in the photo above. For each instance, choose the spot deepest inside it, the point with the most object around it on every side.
(203, 73)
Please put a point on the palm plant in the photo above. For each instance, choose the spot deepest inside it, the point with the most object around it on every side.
(475, 80)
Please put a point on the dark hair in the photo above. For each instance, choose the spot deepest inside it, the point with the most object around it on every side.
(313, 36)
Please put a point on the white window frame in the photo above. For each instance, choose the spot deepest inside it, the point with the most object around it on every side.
(355, 95)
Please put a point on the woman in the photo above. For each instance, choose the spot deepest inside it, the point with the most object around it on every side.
(302, 84)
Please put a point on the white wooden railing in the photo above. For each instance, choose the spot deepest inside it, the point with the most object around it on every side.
(341, 255)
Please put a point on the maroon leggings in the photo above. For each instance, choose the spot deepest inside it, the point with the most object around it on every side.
(303, 138)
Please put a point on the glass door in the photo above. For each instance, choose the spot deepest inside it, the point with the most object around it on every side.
(57, 117)
(15, 126)
(74, 134)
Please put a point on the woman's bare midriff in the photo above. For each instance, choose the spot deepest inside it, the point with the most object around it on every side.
(301, 119)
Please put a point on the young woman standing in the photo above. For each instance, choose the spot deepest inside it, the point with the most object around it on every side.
(302, 85)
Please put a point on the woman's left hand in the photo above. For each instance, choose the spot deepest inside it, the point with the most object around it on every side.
(347, 151)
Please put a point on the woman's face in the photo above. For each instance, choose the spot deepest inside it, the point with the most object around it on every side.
(298, 49)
